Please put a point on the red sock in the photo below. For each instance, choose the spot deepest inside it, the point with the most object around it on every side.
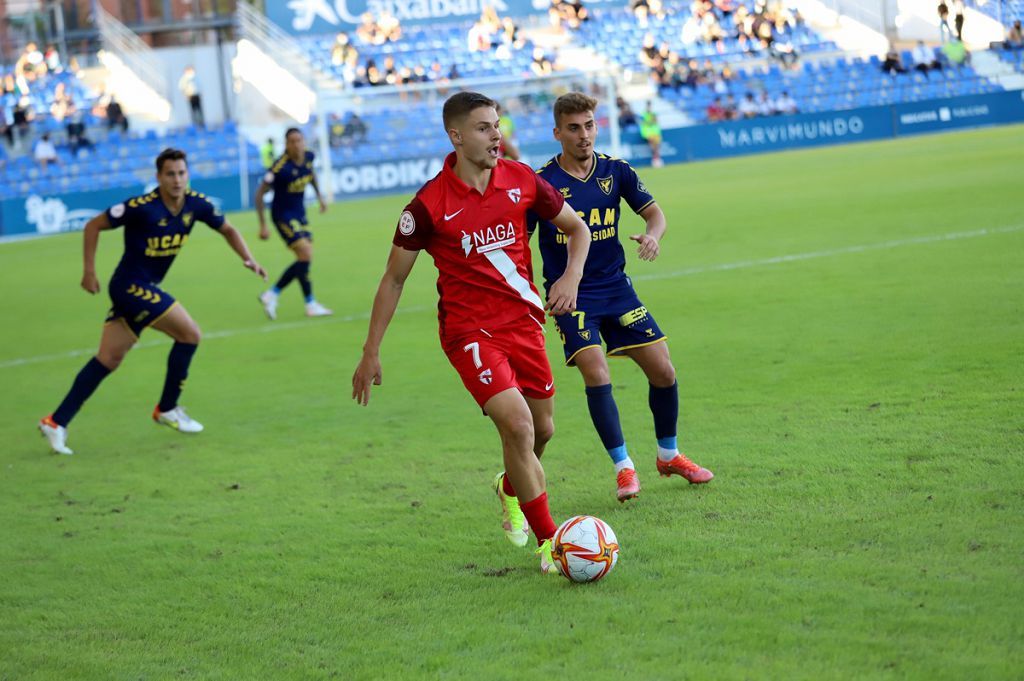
(507, 487)
(539, 517)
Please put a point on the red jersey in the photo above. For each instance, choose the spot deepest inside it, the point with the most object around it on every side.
(479, 244)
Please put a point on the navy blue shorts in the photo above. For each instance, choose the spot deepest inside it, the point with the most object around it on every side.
(137, 303)
(293, 228)
(621, 321)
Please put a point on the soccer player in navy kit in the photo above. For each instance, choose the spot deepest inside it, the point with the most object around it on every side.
(288, 177)
(156, 227)
(607, 306)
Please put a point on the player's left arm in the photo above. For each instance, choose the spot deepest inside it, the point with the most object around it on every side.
(649, 242)
(238, 245)
(562, 296)
(319, 196)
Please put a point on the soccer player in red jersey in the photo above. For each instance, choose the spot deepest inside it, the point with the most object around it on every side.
(471, 219)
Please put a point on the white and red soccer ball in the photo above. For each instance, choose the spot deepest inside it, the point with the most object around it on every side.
(585, 548)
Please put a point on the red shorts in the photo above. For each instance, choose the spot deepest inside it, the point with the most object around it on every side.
(493, 360)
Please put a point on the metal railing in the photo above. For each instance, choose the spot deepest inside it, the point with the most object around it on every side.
(127, 46)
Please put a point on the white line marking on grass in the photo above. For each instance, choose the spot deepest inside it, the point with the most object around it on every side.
(690, 271)
(795, 257)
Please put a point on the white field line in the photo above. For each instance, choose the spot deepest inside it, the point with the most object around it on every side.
(690, 271)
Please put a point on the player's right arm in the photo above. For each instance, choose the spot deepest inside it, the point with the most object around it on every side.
(91, 237)
(264, 187)
(368, 371)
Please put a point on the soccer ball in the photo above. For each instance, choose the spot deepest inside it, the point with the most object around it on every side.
(585, 548)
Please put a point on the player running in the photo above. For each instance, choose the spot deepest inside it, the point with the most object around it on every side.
(471, 219)
(288, 177)
(156, 227)
(608, 307)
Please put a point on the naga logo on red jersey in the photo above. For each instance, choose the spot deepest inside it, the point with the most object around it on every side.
(488, 239)
(514, 195)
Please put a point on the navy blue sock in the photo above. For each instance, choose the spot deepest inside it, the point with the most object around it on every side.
(664, 403)
(287, 276)
(303, 276)
(86, 382)
(605, 416)
(177, 371)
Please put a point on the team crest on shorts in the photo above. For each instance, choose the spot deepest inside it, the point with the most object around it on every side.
(514, 195)
(585, 334)
(605, 183)
(406, 223)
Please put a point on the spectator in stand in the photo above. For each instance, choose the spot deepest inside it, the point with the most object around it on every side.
(765, 106)
(641, 10)
(3, 156)
(715, 111)
(748, 107)
(368, 31)
(943, 10)
(730, 108)
(45, 153)
(77, 138)
(893, 63)
(22, 115)
(511, 34)
(541, 65)
(958, 18)
(115, 116)
(924, 58)
(30, 64)
(342, 50)
(6, 128)
(480, 36)
(1014, 37)
(627, 119)
(190, 89)
(389, 27)
(51, 58)
(651, 132)
(568, 13)
(62, 103)
(786, 104)
(356, 129)
(955, 52)
(648, 51)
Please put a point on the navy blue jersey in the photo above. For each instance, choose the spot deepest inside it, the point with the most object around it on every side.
(289, 180)
(153, 236)
(596, 199)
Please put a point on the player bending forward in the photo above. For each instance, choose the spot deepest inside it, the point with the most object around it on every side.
(608, 307)
(471, 219)
(156, 227)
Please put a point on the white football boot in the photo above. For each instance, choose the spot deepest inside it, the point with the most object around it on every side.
(315, 309)
(56, 435)
(177, 418)
(269, 301)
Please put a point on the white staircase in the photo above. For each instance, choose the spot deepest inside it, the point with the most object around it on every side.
(134, 74)
(273, 64)
(855, 28)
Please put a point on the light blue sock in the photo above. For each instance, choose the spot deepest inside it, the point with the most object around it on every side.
(275, 290)
(620, 457)
(667, 448)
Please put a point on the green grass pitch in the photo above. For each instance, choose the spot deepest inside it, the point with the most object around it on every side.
(848, 325)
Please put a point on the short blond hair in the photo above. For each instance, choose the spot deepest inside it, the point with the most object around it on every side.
(573, 103)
